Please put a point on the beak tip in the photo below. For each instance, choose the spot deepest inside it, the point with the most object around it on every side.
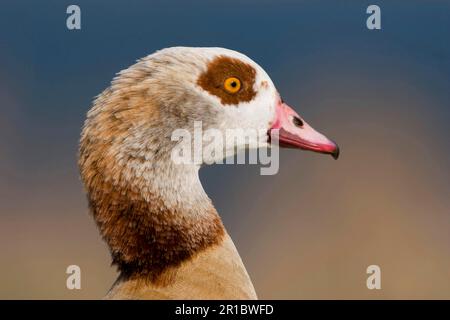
(336, 153)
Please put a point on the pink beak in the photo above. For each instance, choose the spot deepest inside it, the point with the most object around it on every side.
(294, 132)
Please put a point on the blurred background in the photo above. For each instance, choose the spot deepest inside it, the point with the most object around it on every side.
(308, 232)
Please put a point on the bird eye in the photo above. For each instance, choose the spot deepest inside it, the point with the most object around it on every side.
(232, 85)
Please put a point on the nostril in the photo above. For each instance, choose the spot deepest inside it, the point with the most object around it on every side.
(297, 122)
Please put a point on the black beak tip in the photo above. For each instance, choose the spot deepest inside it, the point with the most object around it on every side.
(335, 153)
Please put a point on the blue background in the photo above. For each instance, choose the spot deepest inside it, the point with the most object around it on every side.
(308, 232)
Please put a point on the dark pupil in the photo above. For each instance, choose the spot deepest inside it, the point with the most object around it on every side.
(234, 84)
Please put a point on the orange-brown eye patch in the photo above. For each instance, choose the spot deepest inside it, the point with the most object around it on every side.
(216, 80)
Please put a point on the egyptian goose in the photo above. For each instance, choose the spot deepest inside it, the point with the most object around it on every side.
(165, 236)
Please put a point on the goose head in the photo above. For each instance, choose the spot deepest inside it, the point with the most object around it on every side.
(152, 212)
(221, 89)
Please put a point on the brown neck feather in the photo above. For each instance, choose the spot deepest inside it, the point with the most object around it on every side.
(145, 236)
(153, 214)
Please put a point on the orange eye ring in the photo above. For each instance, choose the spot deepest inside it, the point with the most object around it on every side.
(232, 84)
